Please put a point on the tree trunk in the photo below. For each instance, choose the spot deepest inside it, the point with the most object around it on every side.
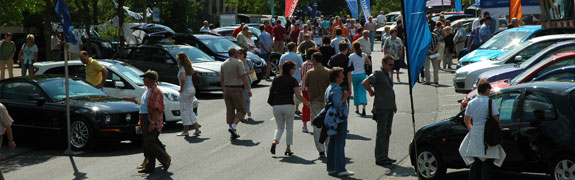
(95, 12)
(85, 11)
(48, 12)
(120, 13)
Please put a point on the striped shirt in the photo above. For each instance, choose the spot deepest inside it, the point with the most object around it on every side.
(307, 65)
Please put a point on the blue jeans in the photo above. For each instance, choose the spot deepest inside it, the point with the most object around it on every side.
(372, 39)
(27, 67)
(247, 99)
(336, 149)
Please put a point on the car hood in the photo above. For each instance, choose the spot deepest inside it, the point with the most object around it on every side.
(105, 104)
(208, 66)
(481, 55)
(502, 73)
(166, 87)
(478, 66)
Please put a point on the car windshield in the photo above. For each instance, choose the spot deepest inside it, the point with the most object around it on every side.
(219, 45)
(195, 55)
(526, 73)
(56, 89)
(505, 40)
(513, 52)
(130, 72)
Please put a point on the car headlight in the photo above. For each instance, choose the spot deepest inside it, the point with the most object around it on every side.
(106, 45)
(461, 75)
(208, 74)
(172, 96)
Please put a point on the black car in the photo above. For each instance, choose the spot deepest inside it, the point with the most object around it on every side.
(538, 124)
(101, 48)
(38, 103)
(217, 47)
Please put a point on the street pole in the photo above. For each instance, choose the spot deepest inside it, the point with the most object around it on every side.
(68, 129)
(410, 87)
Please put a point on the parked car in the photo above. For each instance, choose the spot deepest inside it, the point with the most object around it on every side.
(37, 103)
(507, 40)
(101, 48)
(563, 74)
(466, 77)
(453, 17)
(538, 133)
(217, 47)
(228, 32)
(123, 81)
(162, 58)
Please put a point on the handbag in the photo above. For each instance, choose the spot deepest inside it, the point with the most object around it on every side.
(253, 76)
(492, 134)
(318, 119)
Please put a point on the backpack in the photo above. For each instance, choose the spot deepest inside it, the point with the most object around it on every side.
(492, 134)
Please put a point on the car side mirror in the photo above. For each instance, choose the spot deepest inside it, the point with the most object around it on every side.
(40, 101)
(518, 58)
(119, 84)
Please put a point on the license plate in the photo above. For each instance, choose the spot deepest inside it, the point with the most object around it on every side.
(138, 129)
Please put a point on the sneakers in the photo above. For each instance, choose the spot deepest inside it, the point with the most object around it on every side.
(386, 161)
(183, 134)
(197, 133)
(345, 173)
(304, 129)
(234, 134)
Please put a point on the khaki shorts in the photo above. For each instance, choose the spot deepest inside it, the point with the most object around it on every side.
(279, 46)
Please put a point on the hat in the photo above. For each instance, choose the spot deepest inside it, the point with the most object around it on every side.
(150, 74)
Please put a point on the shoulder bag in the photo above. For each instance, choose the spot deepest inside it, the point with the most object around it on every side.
(492, 134)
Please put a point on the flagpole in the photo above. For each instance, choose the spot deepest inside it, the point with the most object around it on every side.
(410, 87)
(69, 148)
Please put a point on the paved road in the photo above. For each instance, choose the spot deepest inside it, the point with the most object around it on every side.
(214, 156)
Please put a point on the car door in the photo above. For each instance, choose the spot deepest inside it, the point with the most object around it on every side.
(537, 115)
(508, 105)
(26, 112)
(142, 58)
(165, 65)
(117, 86)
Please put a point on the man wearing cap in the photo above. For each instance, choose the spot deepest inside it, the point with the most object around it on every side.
(233, 80)
(152, 120)
(95, 73)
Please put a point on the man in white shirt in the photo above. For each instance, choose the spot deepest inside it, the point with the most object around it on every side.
(380, 19)
(206, 27)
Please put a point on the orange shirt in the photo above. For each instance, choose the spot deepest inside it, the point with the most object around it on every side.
(344, 30)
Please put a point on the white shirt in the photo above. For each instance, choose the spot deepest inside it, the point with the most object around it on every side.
(478, 109)
(475, 24)
(365, 45)
(380, 19)
(358, 63)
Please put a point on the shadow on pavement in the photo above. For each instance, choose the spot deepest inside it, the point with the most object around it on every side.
(209, 95)
(77, 174)
(159, 173)
(251, 121)
(357, 137)
(195, 139)
(294, 159)
(16, 162)
(399, 171)
(499, 174)
(343, 177)
(242, 142)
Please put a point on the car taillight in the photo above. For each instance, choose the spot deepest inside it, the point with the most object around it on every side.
(35, 70)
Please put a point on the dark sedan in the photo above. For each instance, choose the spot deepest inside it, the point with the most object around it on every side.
(38, 103)
(538, 123)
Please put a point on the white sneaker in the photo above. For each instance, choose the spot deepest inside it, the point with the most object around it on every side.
(345, 173)
(183, 134)
(304, 129)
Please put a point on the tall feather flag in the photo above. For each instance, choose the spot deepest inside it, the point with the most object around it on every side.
(290, 7)
(418, 36)
(66, 20)
(515, 10)
(353, 9)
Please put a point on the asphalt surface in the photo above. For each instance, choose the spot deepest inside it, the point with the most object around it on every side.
(214, 156)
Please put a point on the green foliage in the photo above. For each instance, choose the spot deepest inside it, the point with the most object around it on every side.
(12, 10)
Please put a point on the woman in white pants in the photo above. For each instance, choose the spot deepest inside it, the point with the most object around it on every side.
(281, 91)
(187, 93)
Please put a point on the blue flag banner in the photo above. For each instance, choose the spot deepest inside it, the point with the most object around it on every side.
(458, 7)
(314, 9)
(418, 36)
(66, 20)
(352, 4)
(366, 8)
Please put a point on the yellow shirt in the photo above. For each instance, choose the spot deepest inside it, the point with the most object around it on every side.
(94, 72)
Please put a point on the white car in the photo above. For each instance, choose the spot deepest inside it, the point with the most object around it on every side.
(123, 81)
(467, 76)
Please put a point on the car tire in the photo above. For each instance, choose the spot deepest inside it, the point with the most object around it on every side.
(563, 168)
(256, 82)
(81, 135)
(429, 165)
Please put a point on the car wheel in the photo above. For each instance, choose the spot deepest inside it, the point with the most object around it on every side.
(429, 164)
(256, 82)
(81, 135)
(274, 63)
(563, 168)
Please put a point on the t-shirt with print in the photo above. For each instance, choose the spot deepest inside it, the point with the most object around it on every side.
(393, 47)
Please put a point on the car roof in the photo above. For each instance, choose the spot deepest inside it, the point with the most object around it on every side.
(207, 36)
(35, 78)
(527, 28)
(558, 70)
(104, 62)
(543, 86)
(562, 55)
(553, 36)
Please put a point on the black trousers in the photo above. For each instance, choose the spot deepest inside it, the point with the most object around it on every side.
(153, 148)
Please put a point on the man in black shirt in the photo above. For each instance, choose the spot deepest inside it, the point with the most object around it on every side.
(342, 60)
